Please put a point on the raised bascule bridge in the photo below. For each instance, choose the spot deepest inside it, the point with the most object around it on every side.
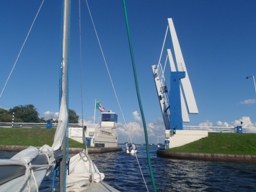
(179, 101)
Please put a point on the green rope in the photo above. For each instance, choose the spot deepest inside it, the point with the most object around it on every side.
(138, 96)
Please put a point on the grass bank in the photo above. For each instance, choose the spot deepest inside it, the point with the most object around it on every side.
(31, 137)
(222, 143)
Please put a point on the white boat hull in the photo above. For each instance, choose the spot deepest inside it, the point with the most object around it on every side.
(132, 151)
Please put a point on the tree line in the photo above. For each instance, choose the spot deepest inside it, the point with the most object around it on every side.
(29, 114)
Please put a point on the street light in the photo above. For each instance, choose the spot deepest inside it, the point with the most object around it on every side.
(253, 81)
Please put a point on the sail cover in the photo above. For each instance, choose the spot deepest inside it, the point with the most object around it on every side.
(82, 172)
(26, 170)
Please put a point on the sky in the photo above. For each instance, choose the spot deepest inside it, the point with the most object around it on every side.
(217, 39)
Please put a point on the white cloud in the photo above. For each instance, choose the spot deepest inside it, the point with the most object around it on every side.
(121, 130)
(136, 116)
(219, 123)
(131, 131)
(205, 124)
(224, 124)
(134, 131)
(245, 121)
(248, 102)
(50, 115)
(155, 129)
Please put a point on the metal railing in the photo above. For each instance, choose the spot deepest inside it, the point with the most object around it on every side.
(185, 127)
(31, 125)
(220, 129)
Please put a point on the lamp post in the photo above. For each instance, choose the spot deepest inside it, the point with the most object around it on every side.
(253, 81)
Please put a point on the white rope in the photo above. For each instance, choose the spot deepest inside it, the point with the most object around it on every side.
(30, 167)
(40, 166)
(26, 176)
(114, 88)
(160, 57)
(35, 181)
(165, 63)
(85, 152)
(89, 162)
(105, 60)
(21, 49)
(47, 155)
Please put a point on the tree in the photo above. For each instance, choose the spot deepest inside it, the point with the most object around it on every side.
(5, 116)
(73, 117)
(42, 120)
(27, 113)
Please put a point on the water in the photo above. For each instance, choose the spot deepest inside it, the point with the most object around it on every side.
(122, 172)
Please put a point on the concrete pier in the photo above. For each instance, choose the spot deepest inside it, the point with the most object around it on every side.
(207, 156)
(71, 150)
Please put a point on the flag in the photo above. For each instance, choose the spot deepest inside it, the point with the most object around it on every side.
(99, 106)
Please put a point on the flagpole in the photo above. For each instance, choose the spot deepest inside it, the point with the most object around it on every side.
(94, 111)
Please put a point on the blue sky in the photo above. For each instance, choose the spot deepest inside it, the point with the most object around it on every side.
(217, 39)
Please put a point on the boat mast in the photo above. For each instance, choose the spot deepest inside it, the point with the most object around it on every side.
(64, 89)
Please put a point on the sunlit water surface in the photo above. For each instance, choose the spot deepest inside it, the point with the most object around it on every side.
(123, 173)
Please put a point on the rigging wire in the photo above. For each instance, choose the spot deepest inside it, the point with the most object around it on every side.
(113, 87)
(138, 95)
(106, 65)
(102, 53)
(160, 57)
(17, 58)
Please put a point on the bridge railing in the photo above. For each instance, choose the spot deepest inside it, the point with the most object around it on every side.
(31, 125)
(220, 129)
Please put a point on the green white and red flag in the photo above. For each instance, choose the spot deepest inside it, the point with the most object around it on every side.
(99, 106)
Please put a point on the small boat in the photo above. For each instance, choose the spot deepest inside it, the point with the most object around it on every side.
(132, 151)
(131, 148)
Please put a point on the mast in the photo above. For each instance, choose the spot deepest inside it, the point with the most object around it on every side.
(64, 91)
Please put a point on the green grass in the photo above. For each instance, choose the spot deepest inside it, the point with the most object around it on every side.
(31, 136)
(223, 143)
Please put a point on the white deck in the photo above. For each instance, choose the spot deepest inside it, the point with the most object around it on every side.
(102, 186)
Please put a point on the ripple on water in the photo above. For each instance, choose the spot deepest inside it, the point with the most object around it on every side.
(123, 173)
